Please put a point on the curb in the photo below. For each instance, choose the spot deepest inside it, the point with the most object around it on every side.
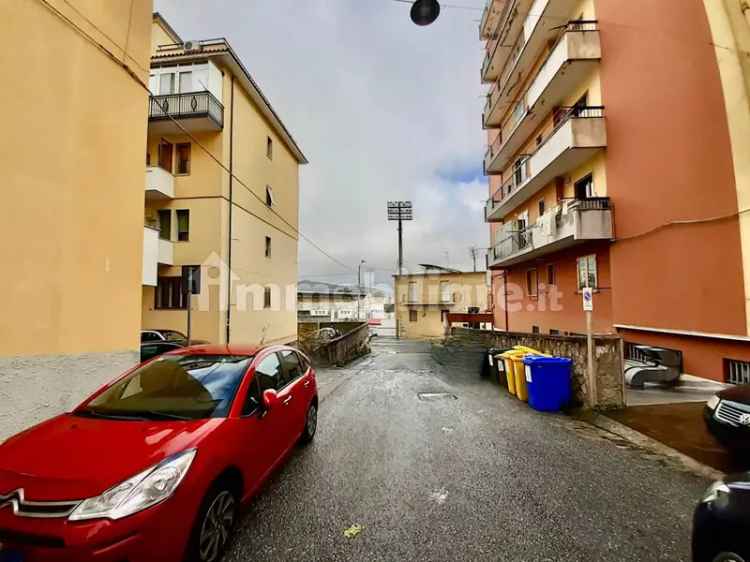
(605, 423)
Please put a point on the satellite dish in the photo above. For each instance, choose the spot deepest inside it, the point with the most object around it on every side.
(424, 12)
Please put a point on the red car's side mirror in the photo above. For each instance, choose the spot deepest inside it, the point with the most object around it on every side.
(270, 399)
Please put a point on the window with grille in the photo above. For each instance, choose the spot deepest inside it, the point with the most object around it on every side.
(587, 274)
(736, 371)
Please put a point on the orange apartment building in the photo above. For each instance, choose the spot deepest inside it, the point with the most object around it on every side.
(618, 158)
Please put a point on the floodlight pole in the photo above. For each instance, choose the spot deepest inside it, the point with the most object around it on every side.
(400, 245)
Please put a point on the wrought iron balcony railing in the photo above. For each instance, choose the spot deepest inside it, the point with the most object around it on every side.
(187, 105)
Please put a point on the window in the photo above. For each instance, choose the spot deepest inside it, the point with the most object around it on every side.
(519, 110)
(169, 294)
(166, 84)
(183, 225)
(412, 316)
(269, 148)
(587, 275)
(183, 158)
(531, 282)
(553, 332)
(541, 207)
(412, 291)
(253, 400)
(165, 155)
(535, 330)
(186, 82)
(584, 188)
(551, 274)
(268, 246)
(445, 291)
(267, 297)
(189, 386)
(165, 224)
(292, 367)
(269, 196)
(268, 373)
(150, 336)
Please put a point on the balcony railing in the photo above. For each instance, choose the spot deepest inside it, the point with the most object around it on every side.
(574, 221)
(579, 43)
(499, 35)
(187, 105)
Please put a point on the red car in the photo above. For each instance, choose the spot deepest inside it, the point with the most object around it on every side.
(154, 465)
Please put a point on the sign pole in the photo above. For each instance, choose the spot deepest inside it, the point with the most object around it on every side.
(588, 307)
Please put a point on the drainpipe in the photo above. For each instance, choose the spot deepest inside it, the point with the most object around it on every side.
(229, 229)
(505, 298)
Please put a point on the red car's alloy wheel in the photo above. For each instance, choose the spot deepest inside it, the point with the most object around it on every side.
(217, 526)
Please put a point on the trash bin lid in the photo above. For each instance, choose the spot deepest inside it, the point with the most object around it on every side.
(512, 353)
(541, 360)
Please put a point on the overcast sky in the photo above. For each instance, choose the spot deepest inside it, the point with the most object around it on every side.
(383, 110)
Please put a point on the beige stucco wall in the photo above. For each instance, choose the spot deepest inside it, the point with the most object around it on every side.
(467, 289)
(730, 30)
(72, 161)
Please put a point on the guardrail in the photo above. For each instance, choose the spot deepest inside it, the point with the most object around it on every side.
(191, 104)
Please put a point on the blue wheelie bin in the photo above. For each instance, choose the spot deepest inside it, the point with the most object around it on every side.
(548, 380)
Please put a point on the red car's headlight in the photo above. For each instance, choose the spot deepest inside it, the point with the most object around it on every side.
(135, 494)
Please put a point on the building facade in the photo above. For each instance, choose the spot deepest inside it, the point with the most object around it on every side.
(328, 302)
(617, 160)
(71, 284)
(423, 300)
(222, 197)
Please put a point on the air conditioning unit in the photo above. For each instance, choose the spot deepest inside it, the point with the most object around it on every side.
(193, 46)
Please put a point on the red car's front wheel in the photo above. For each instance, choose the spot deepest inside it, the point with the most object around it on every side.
(214, 525)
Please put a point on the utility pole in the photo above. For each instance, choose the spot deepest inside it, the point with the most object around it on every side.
(474, 252)
(400, 211)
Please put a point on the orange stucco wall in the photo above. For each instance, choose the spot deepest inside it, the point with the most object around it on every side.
(528, 311)
(668, 159)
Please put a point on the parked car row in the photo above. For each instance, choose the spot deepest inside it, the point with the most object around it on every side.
(160, 458)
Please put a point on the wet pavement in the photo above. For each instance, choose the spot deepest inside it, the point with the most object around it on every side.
(415, 460)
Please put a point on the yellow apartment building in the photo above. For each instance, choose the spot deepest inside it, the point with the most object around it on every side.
(72, 161)
(222, 197)
(423, 300)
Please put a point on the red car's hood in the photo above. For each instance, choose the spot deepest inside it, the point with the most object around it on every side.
(72, 457)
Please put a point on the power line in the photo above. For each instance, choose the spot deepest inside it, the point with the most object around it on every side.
(140, 82)
(453, 6)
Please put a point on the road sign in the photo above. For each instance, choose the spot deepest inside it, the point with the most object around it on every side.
(588, 299)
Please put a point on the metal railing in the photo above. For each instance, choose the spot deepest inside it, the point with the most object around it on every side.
(499, 33)
(591, 204)
(191, 104)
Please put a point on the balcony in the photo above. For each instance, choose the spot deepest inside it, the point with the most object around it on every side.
(575, 222)
(494, 11)
(577, 51)
(195, 111)
(520, 39)
(159, 184)
(580, 132)
(155, 251)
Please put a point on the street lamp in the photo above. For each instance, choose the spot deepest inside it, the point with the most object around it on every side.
(359, 287)
(424, 12)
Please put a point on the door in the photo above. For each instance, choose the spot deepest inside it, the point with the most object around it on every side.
(584, 188)
(273, 423)
(165, 155)
(296, 398)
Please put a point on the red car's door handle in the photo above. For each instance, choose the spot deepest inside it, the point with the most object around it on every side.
(287, 400)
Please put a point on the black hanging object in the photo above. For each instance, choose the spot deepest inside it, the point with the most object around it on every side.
(424, 12)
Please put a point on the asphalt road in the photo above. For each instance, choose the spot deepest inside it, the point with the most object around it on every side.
(478, 477)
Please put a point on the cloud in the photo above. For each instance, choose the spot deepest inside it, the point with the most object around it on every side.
(382, 108)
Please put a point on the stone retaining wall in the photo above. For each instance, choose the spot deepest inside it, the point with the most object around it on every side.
(341, 350)
(608, 360)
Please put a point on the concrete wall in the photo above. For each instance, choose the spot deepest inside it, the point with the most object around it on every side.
(73, 173)
(342, 350)
(607, 352)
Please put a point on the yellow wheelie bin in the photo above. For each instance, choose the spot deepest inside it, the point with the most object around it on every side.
(510, 368)
(519, 370)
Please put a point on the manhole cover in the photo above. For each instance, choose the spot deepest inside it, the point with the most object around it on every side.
(431, 396)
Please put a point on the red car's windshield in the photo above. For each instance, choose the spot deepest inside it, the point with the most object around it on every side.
(173, 387)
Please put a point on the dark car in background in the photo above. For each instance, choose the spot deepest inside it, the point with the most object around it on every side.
(727, 416)
(721, 523)
(149, 350)
(152, 336)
